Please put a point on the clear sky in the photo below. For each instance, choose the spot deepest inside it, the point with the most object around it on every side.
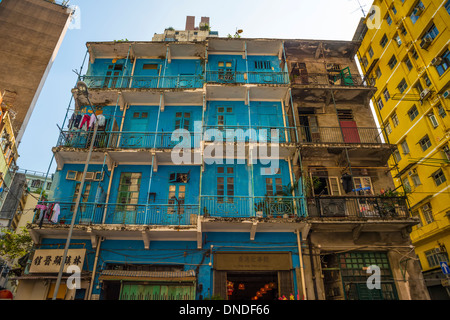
(138, 20)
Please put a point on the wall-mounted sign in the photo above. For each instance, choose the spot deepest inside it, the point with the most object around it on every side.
(252, 261)
(49, 260)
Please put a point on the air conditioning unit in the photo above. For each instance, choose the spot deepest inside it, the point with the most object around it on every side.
(424, 94)
(418, 11)
(426, 42)
(446, 94)
(90, 175)
(436, 61)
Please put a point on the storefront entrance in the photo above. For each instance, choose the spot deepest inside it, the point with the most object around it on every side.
(253, 275)
(252, 286)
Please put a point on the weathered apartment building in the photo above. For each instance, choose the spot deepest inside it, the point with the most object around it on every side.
(284, 189)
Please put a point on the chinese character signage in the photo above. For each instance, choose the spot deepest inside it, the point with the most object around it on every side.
(50, 260)
(252, 261)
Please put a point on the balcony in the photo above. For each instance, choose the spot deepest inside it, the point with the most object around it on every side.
(251, 207)
(250, 134)
(329, 79)
(339, 135)
(143, 82)
(125, 140)
(369, 207)
(224, 77)
(164, 214)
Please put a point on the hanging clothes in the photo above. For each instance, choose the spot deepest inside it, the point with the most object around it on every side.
(85, 121)
(55, 215)
(347, 182)
(101, 120)
(71, 121)
(92, 120)
(77, 121)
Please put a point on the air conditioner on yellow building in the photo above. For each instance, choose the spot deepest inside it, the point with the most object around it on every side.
(424, 94)
(436, 61)
(426, 42)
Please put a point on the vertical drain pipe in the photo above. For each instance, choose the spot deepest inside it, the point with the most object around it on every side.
(302, 271)
(313, 268)
(94, 270)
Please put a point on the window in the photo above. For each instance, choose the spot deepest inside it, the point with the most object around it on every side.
(427, 213)
(427, 80)
(383, 41)
(406, 184)
(447, 6)
(177, 195)
(431, 33)
(182, 120)
(435, 256)
(444, 63)
(370, 51)
(416, 180)
(36, 183)
(225, 184)
(414, 54)
(388, 128)
(262, 65)
(386, 95)
(416, 214)
(397, 155)
(408, 64)
(425, 143)
(380, 103)
(129, 185)
(365, 61)
(150, 66)
(433, 119)
(405, 147)
(416, 12)
(446, 153)
(49, 185)
(398, 40)
(394, 10)
(413, 112)
(441, 111)
(378, 73)
(439, 177)
(394, 118)
(274, 186)
(388, 19)
(402, 86)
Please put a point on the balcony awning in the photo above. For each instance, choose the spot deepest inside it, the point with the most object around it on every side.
(160, 276)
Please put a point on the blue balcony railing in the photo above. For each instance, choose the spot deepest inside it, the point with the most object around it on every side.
(247, 134)
(161, 213)
(247, 77)
(165, 82)
(247, 207)
(129, 140)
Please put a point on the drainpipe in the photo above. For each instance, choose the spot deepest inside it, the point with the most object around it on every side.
(108, 192)
(313, 268)
(300, 258)
(94, 271)
(153, 157)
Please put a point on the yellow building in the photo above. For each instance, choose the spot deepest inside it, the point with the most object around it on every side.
(404, 52)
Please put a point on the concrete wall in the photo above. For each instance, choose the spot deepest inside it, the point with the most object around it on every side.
(30, 32)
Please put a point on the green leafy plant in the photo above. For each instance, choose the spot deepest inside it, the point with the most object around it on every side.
(14, 244)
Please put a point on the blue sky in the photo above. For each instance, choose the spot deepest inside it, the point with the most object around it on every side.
(138, 20)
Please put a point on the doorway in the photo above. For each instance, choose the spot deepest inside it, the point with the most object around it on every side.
(252, 285)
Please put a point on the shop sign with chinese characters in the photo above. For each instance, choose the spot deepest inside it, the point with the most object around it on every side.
(49, 260)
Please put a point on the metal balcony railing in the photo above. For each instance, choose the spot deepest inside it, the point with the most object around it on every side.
(330, 135)
(249, 134)
(358, 206)
(329, 79)
(165, 82)
(129, 140)
(161, 213)
(247, 77)
(247, 207)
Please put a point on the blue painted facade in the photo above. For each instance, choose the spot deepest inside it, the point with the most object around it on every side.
(145, 191)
